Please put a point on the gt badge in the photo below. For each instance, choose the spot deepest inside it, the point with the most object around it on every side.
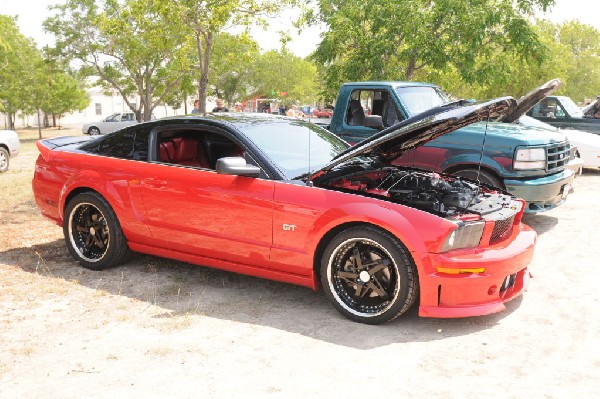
(289, 227)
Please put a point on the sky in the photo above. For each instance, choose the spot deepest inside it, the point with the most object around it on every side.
(31, 14)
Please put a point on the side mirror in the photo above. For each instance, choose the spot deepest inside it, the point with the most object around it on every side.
(236, 166)
(373, 121)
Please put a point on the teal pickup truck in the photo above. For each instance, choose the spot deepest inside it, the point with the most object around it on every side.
(531, 163)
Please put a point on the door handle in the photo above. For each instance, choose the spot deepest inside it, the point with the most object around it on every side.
(155, 183)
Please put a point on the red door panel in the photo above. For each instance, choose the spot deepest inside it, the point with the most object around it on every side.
(202, 212)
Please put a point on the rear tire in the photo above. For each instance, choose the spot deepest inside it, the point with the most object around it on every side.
(92, 131)
(4, 159)
(483, 176)
(92, 232)
(368, 275)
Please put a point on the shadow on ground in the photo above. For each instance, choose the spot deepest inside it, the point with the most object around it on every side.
(185, 289)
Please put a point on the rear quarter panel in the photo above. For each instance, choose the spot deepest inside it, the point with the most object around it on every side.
(62, 173)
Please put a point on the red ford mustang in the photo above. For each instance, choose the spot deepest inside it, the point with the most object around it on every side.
(284, 199)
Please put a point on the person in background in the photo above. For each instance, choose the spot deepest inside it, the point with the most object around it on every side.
(196, 109)
(220, 107)
(293, 112)
(238, 107)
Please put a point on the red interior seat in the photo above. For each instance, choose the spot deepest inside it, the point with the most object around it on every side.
(189, 152)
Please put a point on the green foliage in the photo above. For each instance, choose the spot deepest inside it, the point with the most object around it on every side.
(231, 67)
(402, 40)
(133, 46)
(18, 76)
(275, 72)
(203, 21)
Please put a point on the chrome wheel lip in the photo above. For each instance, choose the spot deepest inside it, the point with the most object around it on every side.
(74, 243)
(334, 292)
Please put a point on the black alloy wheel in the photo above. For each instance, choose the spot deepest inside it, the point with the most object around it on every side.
(92, 232)
(368, 275)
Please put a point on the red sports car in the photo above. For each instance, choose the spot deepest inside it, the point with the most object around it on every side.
(284, 199)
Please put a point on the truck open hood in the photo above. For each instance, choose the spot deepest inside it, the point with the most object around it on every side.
(526, 102)
(420, 129)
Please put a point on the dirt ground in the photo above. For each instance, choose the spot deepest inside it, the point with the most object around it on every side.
(156, 328)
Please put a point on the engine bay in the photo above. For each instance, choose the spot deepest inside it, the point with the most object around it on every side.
(430, 191)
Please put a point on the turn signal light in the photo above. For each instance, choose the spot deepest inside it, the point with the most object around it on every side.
(447, 270)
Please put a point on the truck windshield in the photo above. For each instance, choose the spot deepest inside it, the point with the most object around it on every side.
(417, 99)
(571, 108)
(287, 145)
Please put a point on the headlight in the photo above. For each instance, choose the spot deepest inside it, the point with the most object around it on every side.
(530, 158)
(466, 235)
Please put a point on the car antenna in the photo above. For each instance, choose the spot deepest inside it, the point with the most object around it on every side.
(483, 146)
(309, 174)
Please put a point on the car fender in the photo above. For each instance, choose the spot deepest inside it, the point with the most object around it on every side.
(403, 222)
(467, 161)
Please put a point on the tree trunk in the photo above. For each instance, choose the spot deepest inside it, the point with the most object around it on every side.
(11, 122)
(204, 53)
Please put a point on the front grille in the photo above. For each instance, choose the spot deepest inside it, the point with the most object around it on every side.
(558, 156)
(502, 229)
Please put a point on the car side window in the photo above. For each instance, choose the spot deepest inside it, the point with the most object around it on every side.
(372, 102)
(118, 145)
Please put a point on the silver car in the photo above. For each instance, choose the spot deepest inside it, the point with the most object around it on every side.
(110, 124)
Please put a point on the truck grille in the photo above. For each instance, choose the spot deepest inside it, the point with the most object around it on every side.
(558, 156)
(502, 229)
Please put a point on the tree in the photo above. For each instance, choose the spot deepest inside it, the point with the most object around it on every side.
(230, 73)
(203, 20)
(65, 93)
(282, 75)
(389, 39)
(133, 46)
(18, 77)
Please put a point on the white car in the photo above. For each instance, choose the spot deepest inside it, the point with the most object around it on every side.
(588, 144)
(9, 147)
(110, 123)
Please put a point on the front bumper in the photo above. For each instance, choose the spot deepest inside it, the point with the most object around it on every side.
(474, 294)
(544, 193)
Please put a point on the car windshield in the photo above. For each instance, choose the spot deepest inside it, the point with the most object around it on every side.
(296, 147)
(417, 99)
(573, 110)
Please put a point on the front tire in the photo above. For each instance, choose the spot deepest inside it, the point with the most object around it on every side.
(92, 232)
(4, 159)
(368, 275)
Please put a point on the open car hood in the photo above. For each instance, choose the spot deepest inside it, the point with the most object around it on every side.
(526, 102)
(421, 129)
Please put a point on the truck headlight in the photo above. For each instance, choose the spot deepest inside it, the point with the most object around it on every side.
(530, 158)
(466, 235)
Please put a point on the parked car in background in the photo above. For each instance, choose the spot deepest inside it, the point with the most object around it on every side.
(9, 148)
(227, 191)
(562, 112)
(322, 113)
(110, 124)
(587, 145)
(530, 163)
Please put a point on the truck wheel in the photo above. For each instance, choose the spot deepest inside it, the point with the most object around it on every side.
(483, 176)
(368, 275)
(4, 159)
